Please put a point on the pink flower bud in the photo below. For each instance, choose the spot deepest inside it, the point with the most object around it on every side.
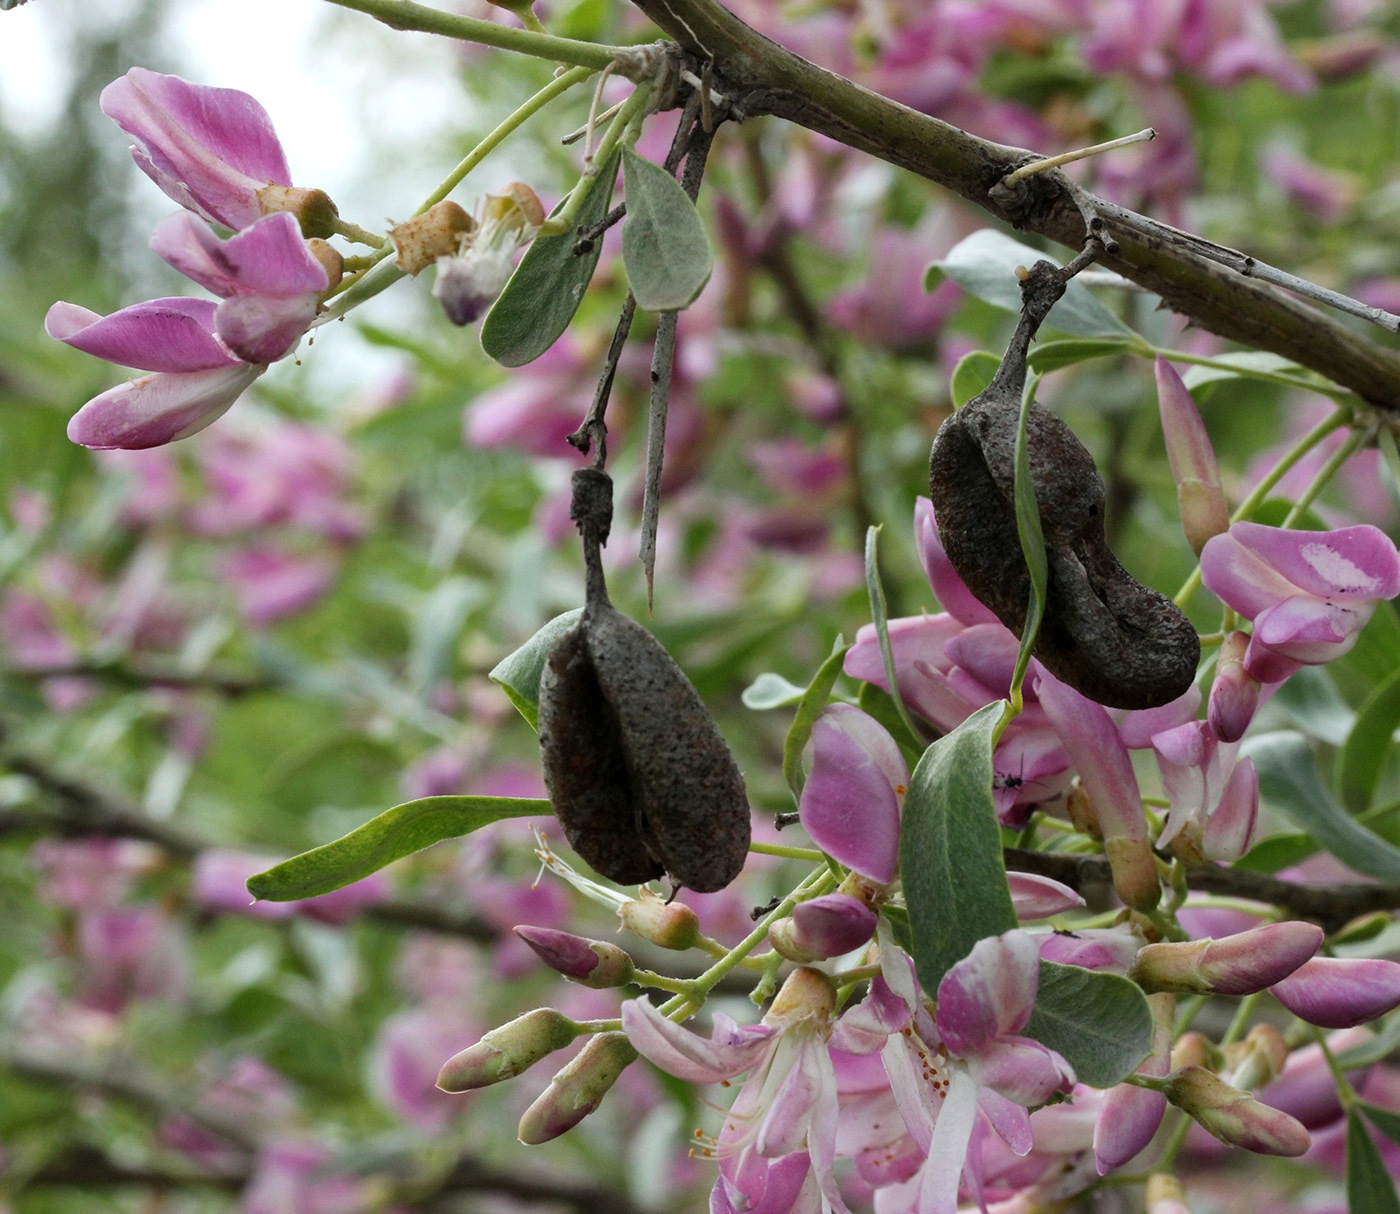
(1204, 512)
(1235, 1117)
(1195, 1049)
(829, 926)
(1235, 965)
(504, 1052)
(1337, 992)
(668, 925)
(1234, 696)
(578, 1089)
(1130, 1114)
(595, 963)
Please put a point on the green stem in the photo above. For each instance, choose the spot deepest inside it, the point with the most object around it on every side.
(384, 274)
(787, 853)
(406, 15)
(633, 109)
(1274, 377)
(1324, 474)
(1345, 1092)
(685, 1005)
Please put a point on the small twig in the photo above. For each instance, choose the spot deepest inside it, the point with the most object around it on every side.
(593, 120)
(585, 237)
(1054, 162)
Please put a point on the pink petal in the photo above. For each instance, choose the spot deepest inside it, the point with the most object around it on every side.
(948, 1149)
(1036, 897)
(264, 328)
(953, 595)
(850, 803)
(209, 149)
(1128, 1120)
(269, 257)
(1233, 824)
(174, 335)
(681, 1053)
(157, 409)
(1337, 992)
(990, 992)
(1022, 1070)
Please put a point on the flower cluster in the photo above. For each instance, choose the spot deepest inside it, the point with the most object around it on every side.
(215, 153)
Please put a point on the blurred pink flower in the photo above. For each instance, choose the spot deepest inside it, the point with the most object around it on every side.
(272, 585)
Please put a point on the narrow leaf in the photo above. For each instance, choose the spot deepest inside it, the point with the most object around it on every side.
(396, 833)
(1368, 745)
(769, 691)
(548, 285)
(808, 710)
(1387, 1121)
(1289, 780)
(1054, 355)
(879, 613)
(1381, 1045)
(519, 673)
(664, 245)
(1032, 546)
(950, 849)
(1370, 1189)
(1099, 1022)
(984, 264)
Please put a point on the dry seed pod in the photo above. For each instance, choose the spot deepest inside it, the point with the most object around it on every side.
(638, 773)
(1105, 634)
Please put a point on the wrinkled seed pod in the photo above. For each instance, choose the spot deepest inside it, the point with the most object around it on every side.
(689, 794)
(585, 767)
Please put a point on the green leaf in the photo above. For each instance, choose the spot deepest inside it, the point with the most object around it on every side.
(1370, 1189)
(1278, 852)
(1032, 539)
(1382, 1044)
(971, 376)
(436, 627)
(547, 287)
(1099, 1022)
(1387, 1121)
(950, 849)
(519, 673)
(1289, 780)
(1368, 745)
(1053, 355)
(813, 701)
(1248, 364)
(396, 833)
(879, 614)
(984, 264)
(1311, 699)
(770, 690)
(664, 245)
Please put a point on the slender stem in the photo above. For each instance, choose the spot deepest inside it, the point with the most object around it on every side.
(1054, 162)
(406, 15)
(787, 853)
(1354, 441)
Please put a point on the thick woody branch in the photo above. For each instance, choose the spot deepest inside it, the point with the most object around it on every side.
(760, 77)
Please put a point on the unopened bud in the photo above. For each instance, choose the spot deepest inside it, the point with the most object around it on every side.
(666, 924)
(1339, 992)
(1236, 1118)
(1080, 808)
(1257, 1060)
(438, 232)
(595, 963)
(1234, 695)
(504, 1052)
(829, 926)
(1131, 1114)
(1195, 1049)
(1204, 512)
(315, 211)
(578, 1089)
(331, 261)
(1234, 965)
(1165, 1194)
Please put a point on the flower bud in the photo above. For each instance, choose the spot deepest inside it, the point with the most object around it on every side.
(504, 1052)
(1235, 1117)
(670, 925)
(515, 207)
(1130, 1114)
(438, 232)
(806, 996)
(1204, 512)
(1339, 992)
(331, 261)
(578, 1089)
(314, 210)
(829, 926)
(1259, 1059)
(1235, 965)
(1234, 695)
(595, 963)
(1165, 1194)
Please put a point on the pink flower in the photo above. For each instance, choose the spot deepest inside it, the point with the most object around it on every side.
(1214, 795)
(1309, 593)
(787, 1106)
(272, 584)
(1337, 992)
(195, 378)
(209, 149)
(850, 803)
(266, 274)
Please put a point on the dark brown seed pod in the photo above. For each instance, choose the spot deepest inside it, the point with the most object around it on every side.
(1104, 633)
(637, 771)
